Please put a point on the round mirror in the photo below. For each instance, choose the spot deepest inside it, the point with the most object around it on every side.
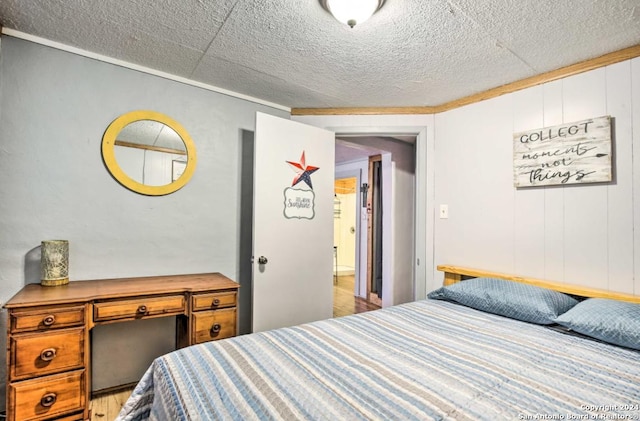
(149, 153)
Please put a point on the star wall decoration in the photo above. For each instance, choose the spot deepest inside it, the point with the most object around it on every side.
(303, 171)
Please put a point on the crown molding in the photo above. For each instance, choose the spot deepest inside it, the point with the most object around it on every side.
(136, 67)
(563, 72)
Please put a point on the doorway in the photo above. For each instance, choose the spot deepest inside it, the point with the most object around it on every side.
(346, 213)
(385, 170)
(345, 226)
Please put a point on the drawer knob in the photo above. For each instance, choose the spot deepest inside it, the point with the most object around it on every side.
(48, 354)
(216, 328)
(142, 309)
(48, 400)
(216, 302)
(49, 320)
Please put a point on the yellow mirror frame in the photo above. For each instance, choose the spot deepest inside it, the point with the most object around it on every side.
(108, 152)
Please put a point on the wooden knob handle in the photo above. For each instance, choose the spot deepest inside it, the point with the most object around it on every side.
(216, 328)
(216, 302)
(48, 354)
(142, 309)
(49, 320)
(48, 400)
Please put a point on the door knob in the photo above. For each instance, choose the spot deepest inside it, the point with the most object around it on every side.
(262, 260)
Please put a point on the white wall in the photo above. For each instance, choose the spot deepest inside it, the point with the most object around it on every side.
(579, 234)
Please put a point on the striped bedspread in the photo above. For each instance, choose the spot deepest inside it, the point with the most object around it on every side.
(418, 361)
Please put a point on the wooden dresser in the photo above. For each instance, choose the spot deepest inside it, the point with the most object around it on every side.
(49, 342)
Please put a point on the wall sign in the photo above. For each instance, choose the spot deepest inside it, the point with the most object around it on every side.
(300, 203)
(572, 153)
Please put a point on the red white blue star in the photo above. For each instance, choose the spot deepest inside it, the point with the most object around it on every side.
(303, 171)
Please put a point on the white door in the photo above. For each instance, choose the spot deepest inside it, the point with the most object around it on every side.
(292, 223)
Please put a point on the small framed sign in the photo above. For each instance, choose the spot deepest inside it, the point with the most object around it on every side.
(299, 204)
(572, 153)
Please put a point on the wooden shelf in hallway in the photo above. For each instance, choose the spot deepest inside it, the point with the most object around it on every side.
(344, 302)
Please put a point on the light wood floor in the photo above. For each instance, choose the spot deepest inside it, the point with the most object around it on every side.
(106, 407)
(344, 302)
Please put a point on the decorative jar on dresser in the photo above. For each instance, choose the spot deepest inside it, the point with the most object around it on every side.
(49, 345)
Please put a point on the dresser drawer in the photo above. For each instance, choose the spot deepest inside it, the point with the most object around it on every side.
(38, 354)
(213, 325)
(46, 318)
(138, 308)
(214, 300)
(47, 397)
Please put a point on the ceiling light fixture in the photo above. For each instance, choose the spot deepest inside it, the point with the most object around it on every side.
(351, 12)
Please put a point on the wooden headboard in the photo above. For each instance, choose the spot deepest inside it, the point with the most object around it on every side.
(454, 274)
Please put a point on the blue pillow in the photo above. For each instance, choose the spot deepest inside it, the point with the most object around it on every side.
(515, 300)
(615, 322)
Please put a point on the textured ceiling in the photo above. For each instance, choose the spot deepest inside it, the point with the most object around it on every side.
(293, 53)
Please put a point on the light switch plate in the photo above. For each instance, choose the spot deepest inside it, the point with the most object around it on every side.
(444, 211)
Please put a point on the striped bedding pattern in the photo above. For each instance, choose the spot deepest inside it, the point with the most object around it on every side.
(426, 360)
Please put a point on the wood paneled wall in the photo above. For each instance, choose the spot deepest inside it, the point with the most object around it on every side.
(580, 234)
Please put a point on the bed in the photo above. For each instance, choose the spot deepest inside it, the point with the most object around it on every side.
(431, 359)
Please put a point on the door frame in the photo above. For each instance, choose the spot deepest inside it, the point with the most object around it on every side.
(357, 173)
(424, 198)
